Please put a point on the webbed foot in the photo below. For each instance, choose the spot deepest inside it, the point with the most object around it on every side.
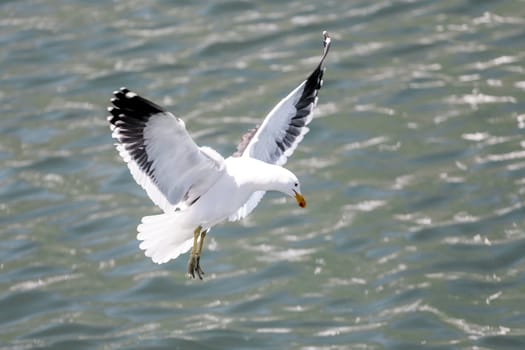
(194, 265)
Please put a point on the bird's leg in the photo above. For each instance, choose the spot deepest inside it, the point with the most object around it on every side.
(193, 261)
(199, 252)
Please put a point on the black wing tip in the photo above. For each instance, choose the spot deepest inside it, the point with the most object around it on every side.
(327, 43)
(123, 98)
(129, 114)
(127, 104)
(314, 82)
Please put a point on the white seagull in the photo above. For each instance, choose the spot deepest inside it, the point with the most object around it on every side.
(195, 186)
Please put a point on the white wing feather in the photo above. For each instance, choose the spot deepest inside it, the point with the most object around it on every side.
(275, 140)
(160, 154)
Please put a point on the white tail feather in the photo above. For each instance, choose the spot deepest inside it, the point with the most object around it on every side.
(164, 237)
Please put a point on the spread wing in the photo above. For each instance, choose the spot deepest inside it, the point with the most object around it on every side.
(283, 128)
(160, 154)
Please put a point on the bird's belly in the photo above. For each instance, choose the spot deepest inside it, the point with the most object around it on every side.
(220, 202)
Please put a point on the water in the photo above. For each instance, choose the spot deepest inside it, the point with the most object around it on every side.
(414, 173)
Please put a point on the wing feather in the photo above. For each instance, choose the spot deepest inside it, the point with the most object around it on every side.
(160, 154)
(286, 124)
(275, 140)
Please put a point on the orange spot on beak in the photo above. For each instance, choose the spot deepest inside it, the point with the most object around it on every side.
(300, 200)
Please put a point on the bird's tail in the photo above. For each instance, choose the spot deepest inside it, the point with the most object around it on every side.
(164, 237)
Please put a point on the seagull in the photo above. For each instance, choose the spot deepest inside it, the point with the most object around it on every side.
(194, 185)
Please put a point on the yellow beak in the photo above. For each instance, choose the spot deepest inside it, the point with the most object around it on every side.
(300, 200)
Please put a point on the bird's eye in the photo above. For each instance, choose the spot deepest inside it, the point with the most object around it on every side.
(296, 184)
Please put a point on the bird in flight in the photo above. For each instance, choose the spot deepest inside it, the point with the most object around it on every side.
(195, 186)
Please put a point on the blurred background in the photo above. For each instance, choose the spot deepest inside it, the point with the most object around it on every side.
(414, 172)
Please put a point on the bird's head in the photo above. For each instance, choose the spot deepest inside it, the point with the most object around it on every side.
(283, 180)
(293, 189)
